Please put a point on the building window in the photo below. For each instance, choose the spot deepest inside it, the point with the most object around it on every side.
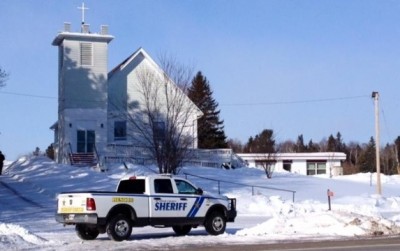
(86, 54)
(159, 131)
(316, 167)
(287, 165)
(120, 130)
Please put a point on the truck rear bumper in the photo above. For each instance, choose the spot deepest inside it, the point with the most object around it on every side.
(76, 218)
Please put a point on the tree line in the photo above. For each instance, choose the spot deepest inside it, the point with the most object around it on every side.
(361, 157)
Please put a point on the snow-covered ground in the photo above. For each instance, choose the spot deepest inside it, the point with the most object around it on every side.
(29, 187)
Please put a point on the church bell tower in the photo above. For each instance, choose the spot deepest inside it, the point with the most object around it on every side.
(82, 91)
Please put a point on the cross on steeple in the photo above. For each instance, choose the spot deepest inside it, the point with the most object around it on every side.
(83, 8)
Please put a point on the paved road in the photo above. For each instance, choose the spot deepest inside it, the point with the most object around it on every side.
(373, 244)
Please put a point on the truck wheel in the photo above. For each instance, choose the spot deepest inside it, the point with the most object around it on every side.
(119, 228)
(182, 230)
(86, 232)
(215, 223)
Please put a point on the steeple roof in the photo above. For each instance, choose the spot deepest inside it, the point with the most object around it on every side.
(81, 36)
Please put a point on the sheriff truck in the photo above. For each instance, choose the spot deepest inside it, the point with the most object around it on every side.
(156, 200)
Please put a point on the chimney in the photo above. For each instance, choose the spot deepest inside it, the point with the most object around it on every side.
(67, 27)
(85, 28)
(104, 29)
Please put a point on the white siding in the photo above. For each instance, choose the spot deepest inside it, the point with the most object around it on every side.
(83, 86)
(82, 89)
(124, 89)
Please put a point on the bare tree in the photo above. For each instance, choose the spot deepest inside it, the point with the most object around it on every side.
(161, 118)
(264, 143)
(268, 162)
(236, 145)
(3, 77)
(287, 146)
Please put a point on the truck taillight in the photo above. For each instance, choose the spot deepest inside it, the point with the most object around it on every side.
(90, 204)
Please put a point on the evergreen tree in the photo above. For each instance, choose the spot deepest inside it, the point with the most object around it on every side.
(340, 146)
(264, 143)
(50, 151)
(210, 128)
(354, 152)
(300, 147)
(336, 144)
(397, 149)
(261, 143)
(311, 147)
(331, 147)
(388, 160)
(367, 160)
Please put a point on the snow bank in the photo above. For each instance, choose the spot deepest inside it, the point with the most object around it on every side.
(16, 237)
(356, 209)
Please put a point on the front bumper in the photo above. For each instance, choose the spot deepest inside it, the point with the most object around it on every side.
(68, 219)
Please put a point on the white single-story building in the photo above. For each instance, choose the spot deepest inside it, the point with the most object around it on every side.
(329, 163)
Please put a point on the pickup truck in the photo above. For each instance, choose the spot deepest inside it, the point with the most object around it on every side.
(156, 200)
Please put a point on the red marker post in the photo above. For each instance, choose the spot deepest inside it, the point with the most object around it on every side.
(330, 194)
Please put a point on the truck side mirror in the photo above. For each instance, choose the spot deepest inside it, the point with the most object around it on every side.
(199, 191)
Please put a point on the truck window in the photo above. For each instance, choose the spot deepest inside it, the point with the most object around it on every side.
(163, 186)
(184, 187)
(131, 186)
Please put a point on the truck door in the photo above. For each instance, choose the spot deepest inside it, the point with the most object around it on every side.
(167, 204)
(192, 196)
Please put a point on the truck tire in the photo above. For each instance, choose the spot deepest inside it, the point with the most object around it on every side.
(182, 230)
(119, 228)
(215, 223)
(86, 232)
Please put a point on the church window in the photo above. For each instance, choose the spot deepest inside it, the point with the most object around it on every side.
(86, 54)
(159, 131)
(120, 130)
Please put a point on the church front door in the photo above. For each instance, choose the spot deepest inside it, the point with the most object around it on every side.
(85, 141)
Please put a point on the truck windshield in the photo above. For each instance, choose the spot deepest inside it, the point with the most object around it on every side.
(131, 186)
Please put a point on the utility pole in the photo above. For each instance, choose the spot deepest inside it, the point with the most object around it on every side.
(375, 96)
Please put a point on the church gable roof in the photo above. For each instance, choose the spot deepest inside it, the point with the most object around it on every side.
(131, 58)
(139, 54)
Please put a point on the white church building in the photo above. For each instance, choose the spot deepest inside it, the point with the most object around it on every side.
(87, 127)
(93, 103)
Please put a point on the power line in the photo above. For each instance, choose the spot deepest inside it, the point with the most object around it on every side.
(47, 97)
(298, 101)
(232, 104)
(385, 123)
(27, 95)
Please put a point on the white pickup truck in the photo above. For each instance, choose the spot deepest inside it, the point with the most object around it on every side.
(157, 200)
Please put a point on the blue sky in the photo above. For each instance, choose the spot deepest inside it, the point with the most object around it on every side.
(297, 67)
